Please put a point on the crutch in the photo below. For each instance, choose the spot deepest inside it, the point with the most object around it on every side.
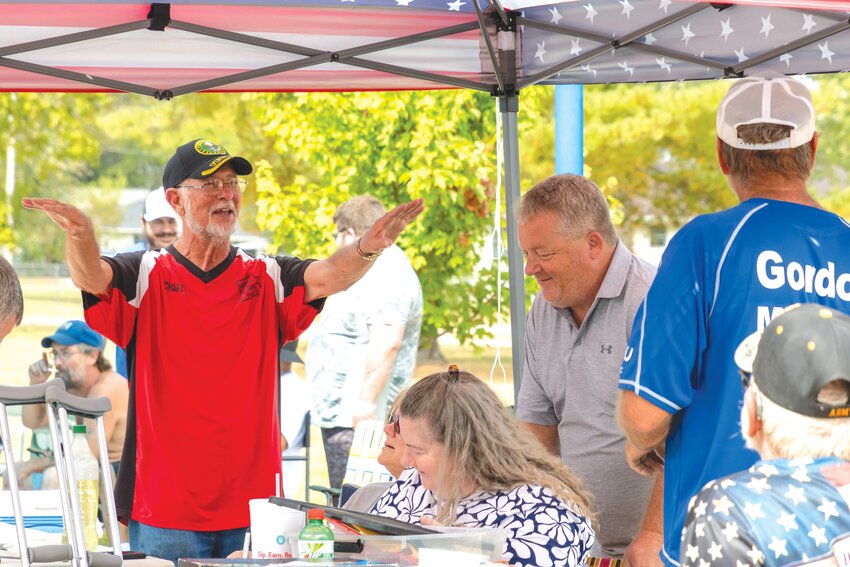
(59, 404)
(20, 396)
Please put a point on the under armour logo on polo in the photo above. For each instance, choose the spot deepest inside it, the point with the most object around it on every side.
(606, 349)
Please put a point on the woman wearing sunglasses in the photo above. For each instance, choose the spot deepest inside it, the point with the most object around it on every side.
(473, 465)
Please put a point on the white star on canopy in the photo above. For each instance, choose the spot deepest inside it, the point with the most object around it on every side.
(649, 39)
(576, 48)
(663, 64)
(825, 52)
(687, 34)
(786, 58)
(726, 30)
(808, 23)
(766, 26)
(591, 13)
(556, 16)
(627, 8)
(541, 50)
(455, 6)
(692, 552)
(664, 5)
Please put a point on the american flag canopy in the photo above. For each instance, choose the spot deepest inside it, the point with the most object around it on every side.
(165, 50)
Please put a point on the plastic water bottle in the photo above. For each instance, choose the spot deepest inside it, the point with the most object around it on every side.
(87, 472)
(316, 540)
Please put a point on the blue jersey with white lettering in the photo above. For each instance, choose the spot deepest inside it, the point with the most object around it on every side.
(722, 277)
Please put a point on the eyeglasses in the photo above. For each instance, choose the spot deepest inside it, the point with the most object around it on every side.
(746, 378)
(62, 354)
(393, 420)
(215, 185)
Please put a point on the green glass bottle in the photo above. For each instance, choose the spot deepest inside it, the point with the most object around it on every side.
(316, 540)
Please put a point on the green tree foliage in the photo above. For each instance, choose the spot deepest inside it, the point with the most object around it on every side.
(55, 145)
(396, 146)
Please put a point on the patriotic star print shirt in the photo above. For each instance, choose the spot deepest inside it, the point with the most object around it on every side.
(779, 512)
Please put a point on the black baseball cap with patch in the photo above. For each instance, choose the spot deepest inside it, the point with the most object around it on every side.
(799, 353)
(199, 159)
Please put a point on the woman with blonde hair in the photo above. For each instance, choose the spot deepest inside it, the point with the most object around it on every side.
(473, 465)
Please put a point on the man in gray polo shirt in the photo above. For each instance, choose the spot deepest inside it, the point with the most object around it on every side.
(576, 335)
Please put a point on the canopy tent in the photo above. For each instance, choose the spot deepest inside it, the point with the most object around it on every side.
(169, 49)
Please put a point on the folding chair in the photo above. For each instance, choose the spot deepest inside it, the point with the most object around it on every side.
(363, 467)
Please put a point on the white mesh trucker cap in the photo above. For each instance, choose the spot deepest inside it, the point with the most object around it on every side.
(770, 98)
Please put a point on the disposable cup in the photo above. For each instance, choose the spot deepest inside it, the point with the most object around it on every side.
(274, 529)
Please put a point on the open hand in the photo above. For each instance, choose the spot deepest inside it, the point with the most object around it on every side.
(386, 229)
(69, 218)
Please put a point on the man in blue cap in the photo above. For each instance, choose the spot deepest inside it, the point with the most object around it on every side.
(76, 353)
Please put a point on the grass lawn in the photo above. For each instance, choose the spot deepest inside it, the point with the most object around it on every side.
(51, 301)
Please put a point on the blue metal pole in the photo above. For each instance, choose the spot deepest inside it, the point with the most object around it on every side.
(569, 129)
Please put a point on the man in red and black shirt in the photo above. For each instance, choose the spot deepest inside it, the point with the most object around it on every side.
(202, 323)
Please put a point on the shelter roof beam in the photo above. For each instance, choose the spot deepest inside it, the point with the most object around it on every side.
(406, 40)
(416, 74)
(72, 38)
(79, 77)
(500, 11)
(790, 46)
(494, 60)
(253, 74)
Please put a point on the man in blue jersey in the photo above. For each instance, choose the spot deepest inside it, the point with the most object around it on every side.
(722, 277)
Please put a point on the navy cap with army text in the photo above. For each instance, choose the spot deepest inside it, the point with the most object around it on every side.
(199, 159)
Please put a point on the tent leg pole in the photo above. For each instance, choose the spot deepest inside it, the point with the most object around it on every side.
(509, 106)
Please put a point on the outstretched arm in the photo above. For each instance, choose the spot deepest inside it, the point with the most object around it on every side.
(346, 265)
(88, 271)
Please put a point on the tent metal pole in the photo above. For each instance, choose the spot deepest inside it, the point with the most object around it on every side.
(509, 106)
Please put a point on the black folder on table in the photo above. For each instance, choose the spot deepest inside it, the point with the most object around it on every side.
(379, 524)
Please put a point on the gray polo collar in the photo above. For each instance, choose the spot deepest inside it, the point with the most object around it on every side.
(618, 272)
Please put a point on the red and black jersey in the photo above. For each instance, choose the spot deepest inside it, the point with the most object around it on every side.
(203, 435)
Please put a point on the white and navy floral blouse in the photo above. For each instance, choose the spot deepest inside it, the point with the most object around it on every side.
(542, 530)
